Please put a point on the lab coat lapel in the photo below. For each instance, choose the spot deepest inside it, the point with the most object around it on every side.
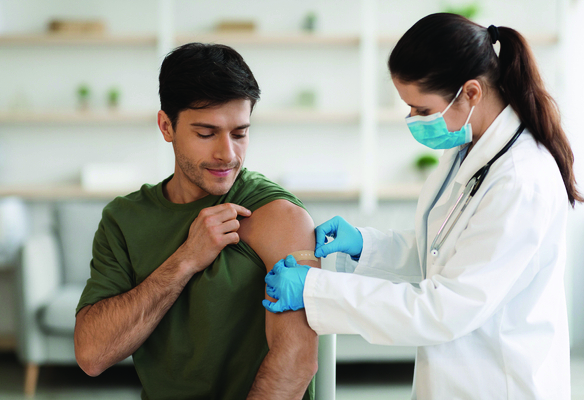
(427, 197)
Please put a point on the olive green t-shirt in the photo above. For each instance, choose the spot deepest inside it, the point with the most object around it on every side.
(211, 342)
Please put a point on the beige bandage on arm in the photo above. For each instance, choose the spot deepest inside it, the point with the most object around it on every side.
(303, 255)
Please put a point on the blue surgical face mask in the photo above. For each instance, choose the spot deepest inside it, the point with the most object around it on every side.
(431, 130)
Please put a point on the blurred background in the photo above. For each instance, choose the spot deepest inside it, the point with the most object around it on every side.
(78, 104)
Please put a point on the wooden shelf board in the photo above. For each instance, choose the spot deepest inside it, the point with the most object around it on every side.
(77, 39)
(299, 115)
(402, 191)
(72, 191)
(72, 117)
(534, 39)
(292, 115)
(253, 38)
(59, 192)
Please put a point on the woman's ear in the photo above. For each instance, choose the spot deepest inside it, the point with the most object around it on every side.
(472, 91)
(165, 126)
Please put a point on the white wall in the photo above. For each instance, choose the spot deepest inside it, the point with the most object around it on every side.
(41, 78)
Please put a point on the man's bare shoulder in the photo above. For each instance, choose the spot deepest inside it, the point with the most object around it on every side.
(277, 229)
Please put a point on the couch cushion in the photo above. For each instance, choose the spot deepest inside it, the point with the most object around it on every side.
(58, 314)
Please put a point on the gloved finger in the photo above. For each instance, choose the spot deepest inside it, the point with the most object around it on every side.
(270, 279)
(272, 292)
(272, 307)
(328, 228)
(290, 262)
(329, 248)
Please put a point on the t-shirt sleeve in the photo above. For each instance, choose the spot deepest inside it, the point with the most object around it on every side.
(256, 191)
(111, 271)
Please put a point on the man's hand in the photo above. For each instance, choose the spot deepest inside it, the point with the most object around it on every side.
(113, 328)
(212, 230)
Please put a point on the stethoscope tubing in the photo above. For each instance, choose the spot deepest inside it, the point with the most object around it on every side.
(470, 189)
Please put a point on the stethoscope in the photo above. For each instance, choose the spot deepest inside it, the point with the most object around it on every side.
(469, 191)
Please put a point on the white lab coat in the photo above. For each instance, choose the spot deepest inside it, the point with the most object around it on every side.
(488, 312)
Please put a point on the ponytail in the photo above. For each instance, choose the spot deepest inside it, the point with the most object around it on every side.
(522, 87)
(443, 51)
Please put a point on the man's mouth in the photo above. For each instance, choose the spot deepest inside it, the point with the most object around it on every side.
(220, 172)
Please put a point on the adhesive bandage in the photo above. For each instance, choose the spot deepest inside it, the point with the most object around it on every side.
(304, 255)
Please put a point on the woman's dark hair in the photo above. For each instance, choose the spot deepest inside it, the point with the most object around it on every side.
(443, 51)
(198, 75)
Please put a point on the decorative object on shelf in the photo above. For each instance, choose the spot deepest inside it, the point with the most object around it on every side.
(97, 177)
(425, 163)
(235, 26)
(469, 10)
(113, 98)
(83, 94)
(80, 27)
(309, 22)
(306, 98)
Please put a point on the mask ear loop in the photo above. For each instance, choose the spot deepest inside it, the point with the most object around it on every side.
(469, 115)
(452, 102)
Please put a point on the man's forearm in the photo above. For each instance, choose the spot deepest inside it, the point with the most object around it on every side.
(287, 369)
(114, 328)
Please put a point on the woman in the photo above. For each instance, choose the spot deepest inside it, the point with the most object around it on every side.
(478, 285)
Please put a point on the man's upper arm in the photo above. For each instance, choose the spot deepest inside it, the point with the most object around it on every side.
(274, 231)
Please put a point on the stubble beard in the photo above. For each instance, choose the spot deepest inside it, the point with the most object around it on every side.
(195, 174)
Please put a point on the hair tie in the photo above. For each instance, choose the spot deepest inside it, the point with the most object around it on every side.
(494, 33)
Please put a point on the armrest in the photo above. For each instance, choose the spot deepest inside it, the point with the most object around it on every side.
(38, 278)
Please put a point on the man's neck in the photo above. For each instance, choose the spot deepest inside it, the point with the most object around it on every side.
(180, 190)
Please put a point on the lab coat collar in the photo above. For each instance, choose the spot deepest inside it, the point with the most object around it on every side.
(494, 139)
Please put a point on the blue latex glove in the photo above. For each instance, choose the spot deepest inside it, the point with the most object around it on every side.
(285, 283)
(347, 238)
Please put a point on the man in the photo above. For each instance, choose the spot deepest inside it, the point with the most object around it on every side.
(177, 276)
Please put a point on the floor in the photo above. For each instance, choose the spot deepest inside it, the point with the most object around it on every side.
(354, 382)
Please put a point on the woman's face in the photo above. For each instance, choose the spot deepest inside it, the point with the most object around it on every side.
(422, 103)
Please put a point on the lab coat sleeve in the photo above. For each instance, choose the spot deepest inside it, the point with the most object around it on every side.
(494, 258)
(392, 256)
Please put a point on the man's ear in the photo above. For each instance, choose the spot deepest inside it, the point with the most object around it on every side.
(165, 126)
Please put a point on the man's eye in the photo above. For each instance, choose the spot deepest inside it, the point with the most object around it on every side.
(204, 136)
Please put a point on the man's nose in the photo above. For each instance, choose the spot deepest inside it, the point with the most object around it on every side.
(224, 149)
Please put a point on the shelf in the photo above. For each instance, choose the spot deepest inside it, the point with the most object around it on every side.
(77, 39)
(59, 192)
(390, 115)
(76, 117)
(252, 38)
(402, 191)
(284, 116)
(299, 115)
(538, 39)
(240, 38)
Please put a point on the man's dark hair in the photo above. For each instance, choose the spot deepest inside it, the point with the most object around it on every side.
(198, 75)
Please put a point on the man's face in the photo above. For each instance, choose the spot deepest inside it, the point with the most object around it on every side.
(210, 144)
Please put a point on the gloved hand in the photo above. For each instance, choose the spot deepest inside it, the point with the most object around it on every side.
(285, 283)
(347, 238)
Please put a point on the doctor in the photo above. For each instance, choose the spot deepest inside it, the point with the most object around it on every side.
(479, 285)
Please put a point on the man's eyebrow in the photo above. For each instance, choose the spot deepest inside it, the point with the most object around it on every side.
(210, 126)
